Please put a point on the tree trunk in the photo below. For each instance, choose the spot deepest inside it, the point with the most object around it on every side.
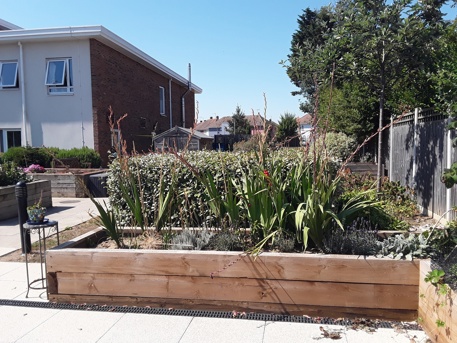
(381, 118)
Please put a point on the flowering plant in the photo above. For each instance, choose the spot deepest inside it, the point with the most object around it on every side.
(34, 168)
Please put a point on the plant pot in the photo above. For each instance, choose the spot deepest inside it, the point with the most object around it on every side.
(36, 215)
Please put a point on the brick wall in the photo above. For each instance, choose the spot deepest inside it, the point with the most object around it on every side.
(130, 87)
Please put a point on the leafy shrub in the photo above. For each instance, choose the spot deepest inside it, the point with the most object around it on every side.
(339, 145)
(191, 205)
(85, 155)
(191, 240)
(225, 241)
(407, 246)
(252, 144)
(25, 156)
(396, 201)
(285, 244)
(10, 174)
(359, 238)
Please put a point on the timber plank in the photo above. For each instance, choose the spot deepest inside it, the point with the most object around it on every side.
(241, 289)
(305, 267)
(239, 306)
(433, 307)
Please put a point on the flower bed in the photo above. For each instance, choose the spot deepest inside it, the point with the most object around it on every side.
(67, 183)
(35, 191)
(295, 283)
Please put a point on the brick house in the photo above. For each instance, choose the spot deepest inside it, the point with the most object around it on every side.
(57, 84)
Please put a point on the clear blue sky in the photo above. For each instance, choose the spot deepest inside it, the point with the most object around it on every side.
(234, 46)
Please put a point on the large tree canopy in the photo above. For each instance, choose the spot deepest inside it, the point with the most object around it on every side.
(385, 47)
(287, 130)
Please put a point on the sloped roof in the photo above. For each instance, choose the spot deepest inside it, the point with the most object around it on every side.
(5, 25)
(306, 119)
(212, 123)
(177, 129)
(257, 120)
(99, 33)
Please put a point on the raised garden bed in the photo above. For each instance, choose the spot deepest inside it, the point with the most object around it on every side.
(68, 183)
(434, 307)
(35, 191)
(283, 283)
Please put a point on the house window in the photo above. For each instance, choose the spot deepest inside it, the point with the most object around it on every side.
(162, 100)
(8, 75)
(11, 138)
(59, 76)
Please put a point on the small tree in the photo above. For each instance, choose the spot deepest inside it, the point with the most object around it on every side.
(287, 129)
(239, 125)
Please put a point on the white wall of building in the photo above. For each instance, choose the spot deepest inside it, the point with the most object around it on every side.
(63, 121)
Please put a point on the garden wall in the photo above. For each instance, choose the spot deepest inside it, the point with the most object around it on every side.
(71, 184)
(296, 284)
(35, 190)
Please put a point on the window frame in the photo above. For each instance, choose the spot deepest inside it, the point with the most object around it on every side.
(162, 101)
(64, 86)
(5, 138)
(16, 76)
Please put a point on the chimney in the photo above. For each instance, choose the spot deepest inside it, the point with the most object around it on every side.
(217, 117)
(210, 118)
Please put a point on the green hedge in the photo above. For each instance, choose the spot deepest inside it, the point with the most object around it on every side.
(25, 156)
(192, 209)
(86, 156)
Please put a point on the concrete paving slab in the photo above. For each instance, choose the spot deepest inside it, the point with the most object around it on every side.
(224, 330)
(8, 267)
(67, 211)
(12, 289)
(17, 322)
(300, 332)
(72, 326)
(385, 335)
(147, 328)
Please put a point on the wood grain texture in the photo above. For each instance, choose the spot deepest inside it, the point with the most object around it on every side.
(276, 266)
(433, 307)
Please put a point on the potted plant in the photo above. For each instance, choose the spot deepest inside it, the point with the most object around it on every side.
(36, 212)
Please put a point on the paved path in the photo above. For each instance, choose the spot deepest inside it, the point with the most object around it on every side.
(67, 211)
(27, 320)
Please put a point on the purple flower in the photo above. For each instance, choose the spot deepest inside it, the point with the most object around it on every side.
(34, 168)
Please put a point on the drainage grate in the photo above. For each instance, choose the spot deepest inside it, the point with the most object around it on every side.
(212, 314)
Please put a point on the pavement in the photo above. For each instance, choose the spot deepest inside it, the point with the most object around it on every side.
(34, 319)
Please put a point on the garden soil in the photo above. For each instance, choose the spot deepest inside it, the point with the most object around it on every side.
(150, 241)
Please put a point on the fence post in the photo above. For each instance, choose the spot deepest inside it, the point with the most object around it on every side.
(448, 166)
(391, 140)
(415, 141)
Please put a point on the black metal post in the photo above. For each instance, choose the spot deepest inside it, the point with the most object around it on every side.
(21, 197)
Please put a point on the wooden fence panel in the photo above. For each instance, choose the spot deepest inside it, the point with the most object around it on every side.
(431, 152)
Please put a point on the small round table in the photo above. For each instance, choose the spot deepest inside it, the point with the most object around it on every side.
(39, 228)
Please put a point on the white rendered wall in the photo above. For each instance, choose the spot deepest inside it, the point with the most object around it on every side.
(63, 121)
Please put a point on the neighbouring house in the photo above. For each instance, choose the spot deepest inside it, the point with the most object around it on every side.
(257, 124)
(305, 125)
(219, 126)
(214, 126)
(57, 85)
(180, 138)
